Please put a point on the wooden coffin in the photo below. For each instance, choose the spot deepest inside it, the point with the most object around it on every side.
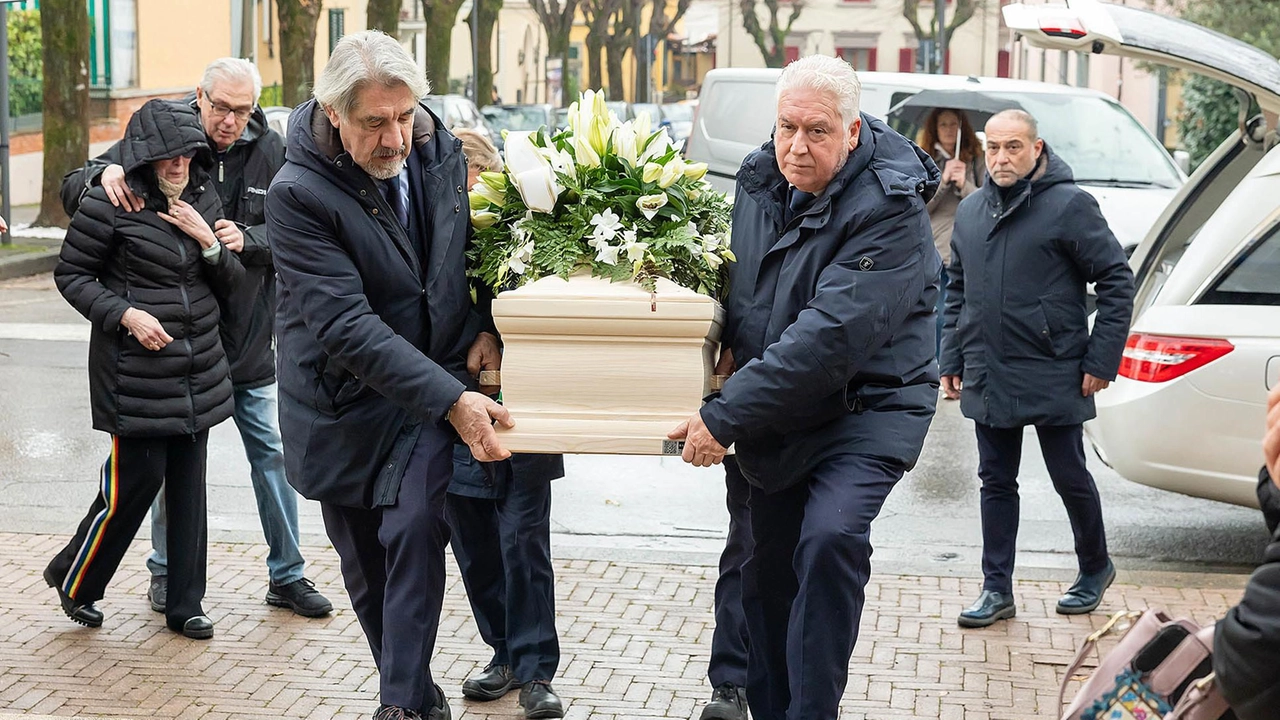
(592, 366)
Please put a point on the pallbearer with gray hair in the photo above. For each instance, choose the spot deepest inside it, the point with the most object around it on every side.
(380, 345)
(829, 345)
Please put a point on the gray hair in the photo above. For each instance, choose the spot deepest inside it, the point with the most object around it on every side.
(1021, 116)
(825, 74)
(361, 59)
(478, 150)
(229, 69)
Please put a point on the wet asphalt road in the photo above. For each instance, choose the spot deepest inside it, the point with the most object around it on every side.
(607, 506)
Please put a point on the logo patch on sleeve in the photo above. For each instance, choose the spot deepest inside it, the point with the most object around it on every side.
(866, 263)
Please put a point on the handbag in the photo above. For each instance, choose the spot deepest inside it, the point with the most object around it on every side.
(1162, 669)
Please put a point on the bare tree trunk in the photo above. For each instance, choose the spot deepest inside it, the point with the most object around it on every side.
(557, 19)
(384, 15)
(440, 17)
(771, 40)
(64, 25)
(298, 20)
(487, 10)
(595, 57)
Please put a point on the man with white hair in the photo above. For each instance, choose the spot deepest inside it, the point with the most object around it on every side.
(369, 223)
(829, 324)
(247, 153)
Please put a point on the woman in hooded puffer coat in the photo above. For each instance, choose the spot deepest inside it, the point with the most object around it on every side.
(149, 281)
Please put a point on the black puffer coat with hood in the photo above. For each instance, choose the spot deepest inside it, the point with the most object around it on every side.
(113, 260)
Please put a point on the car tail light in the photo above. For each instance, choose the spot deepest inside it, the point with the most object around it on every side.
(1062, 26)
(1160, 358)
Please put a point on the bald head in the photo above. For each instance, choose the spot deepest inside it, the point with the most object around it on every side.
(1013, 146)
(1014, 116)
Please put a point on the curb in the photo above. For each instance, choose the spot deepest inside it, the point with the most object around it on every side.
(32, 263)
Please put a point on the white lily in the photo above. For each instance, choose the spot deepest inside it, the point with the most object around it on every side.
(658, 145)
(483, 219)
(531, 173)
(713, 260)
(624, 143)
(671, 172)
(695, 171)
(482, 195)
(607, 225)
(652, 171)
(649, 205)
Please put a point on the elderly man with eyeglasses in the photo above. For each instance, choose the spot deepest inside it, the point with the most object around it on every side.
(247, 154)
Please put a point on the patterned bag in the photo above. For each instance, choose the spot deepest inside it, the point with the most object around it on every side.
(1160, 670)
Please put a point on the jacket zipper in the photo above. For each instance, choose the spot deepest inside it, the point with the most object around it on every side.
(221, 167)
(186, 325)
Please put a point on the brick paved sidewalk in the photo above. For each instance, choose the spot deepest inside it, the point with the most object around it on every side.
(634, 638)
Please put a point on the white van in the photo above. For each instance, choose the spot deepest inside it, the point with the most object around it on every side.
(1112, 154)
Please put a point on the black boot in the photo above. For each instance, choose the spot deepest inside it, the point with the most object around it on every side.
(990, 607)
(493, 683)
(84, 613)
(728, 702)
(540, 701)
(1086, 594)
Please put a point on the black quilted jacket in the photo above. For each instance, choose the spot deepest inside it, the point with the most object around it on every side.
(113, 260)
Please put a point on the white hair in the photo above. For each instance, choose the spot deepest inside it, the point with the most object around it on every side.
(365, 58)
(229, 69)
(825, 74)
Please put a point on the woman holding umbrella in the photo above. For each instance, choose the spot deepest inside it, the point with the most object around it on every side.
(949, 138)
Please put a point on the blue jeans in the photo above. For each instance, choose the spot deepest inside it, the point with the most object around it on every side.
(256, 419)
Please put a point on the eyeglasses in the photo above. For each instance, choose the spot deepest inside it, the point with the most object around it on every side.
(218, 110)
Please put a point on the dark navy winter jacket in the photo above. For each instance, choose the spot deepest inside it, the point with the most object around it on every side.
(371, 337)
(830, 316)
(1016, 329)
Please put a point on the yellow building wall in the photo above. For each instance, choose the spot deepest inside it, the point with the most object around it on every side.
(177, 38)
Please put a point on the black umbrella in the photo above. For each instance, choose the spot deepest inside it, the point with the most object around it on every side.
(976, 104)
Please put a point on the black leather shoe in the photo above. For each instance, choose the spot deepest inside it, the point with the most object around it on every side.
(199, 627)
(1086, 594)
(728, 702)
(493, 683)
(439, 711)
(84, 613)
(158, 592)
(301, 597)
(393, 712)
(990, 607)
(540, 701)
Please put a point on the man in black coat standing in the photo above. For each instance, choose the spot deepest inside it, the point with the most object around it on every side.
(1016, 339)
(246, 155)
(830, 325)
(368, 224)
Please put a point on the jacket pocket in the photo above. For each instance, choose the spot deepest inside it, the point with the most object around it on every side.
(1068, 331)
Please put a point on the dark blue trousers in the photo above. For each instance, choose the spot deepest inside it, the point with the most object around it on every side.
(999, 456)
(392, 561)
(729, 640)
(503, 548)
(803, 588)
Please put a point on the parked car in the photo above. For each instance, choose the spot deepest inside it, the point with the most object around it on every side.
(678, 119)
(458, 112)
(1113, 156)
(1186, 413)
(278, 118)
(514, 118)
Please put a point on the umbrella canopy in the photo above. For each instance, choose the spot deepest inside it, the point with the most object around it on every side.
(978, 105)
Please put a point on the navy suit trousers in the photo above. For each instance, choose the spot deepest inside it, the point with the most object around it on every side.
(392, 561)
(729, 641)
(999, 456)
(804, 586)
(503, 548)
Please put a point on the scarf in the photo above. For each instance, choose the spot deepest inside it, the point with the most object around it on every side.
(171, 190)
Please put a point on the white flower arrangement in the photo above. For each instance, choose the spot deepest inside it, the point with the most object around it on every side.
(604, 195)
